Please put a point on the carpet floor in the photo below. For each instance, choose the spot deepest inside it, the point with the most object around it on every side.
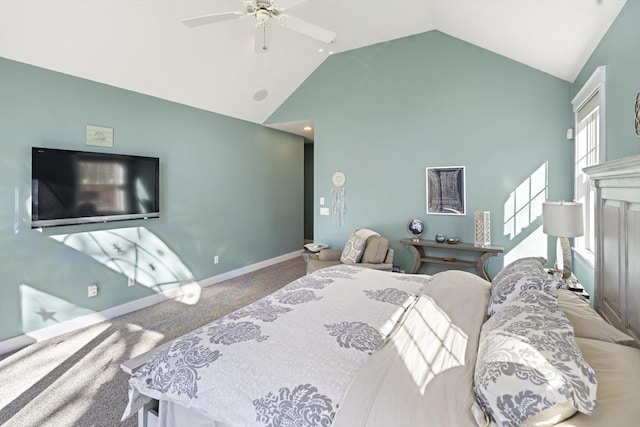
(75, 379)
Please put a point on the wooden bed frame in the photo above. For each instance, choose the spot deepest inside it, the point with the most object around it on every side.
(617, 229)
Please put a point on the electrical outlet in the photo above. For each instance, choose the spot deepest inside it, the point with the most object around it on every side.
(130, 281)
(216, 259)
(92, 290)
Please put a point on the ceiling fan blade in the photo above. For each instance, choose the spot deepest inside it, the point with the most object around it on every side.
(261, 38)
(307, 28)
(210, 19)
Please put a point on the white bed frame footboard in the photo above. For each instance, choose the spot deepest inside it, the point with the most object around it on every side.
(148, 414)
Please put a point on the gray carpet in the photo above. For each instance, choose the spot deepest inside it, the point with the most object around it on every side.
(75, 379)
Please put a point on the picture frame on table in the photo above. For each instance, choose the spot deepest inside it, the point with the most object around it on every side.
(446, 190)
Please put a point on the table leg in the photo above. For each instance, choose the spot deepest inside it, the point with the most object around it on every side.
(481, 267)
(416, 258)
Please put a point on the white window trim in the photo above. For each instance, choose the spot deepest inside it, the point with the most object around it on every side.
(587, 257)
(595, 83)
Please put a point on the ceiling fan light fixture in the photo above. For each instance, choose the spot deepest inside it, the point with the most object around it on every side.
(262, 16)
(263, 11)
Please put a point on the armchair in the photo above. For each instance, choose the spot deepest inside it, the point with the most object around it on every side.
(364, 248)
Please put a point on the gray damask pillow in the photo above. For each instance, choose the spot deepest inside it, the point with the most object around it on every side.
(529, 367)
(530, 266)
(522, 275)
(353, 249)
(507, 291)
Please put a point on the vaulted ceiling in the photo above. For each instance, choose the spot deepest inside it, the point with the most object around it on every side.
(143, 46)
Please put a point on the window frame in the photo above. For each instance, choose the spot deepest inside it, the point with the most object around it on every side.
(594, 85)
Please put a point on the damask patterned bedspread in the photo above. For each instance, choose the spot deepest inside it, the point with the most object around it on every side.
(287, 359)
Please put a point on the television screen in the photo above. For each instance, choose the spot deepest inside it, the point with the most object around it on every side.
(77, 187)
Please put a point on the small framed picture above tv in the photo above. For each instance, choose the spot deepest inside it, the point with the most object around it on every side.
(79, 187)
(446, 191)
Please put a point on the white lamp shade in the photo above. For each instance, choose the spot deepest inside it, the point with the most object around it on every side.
(562, 219)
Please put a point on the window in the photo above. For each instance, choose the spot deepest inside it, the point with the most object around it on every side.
(589, 108)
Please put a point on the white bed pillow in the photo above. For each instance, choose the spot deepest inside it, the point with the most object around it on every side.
(529, 367)
(522, 275)
(587, 323)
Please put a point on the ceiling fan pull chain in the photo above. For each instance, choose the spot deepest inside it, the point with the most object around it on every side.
(264, 36)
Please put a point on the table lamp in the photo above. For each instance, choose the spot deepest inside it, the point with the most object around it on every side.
(563, 220)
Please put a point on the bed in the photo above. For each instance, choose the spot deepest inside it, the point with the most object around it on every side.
(348, 346)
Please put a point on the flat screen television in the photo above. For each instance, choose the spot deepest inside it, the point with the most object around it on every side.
(78, 187)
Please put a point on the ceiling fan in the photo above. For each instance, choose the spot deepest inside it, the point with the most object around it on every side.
(265, 11)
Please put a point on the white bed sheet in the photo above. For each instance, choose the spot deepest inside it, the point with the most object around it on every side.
(423, 372)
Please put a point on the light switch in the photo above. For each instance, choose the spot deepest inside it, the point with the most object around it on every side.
(324, 211)
(321, 201)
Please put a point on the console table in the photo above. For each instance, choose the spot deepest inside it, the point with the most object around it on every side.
(482, 253)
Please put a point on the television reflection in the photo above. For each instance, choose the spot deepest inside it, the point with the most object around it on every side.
(101, 188)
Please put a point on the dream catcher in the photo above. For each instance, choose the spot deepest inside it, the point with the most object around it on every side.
(338, 192)
(638, 114)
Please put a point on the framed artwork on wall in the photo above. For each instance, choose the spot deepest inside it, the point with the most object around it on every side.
(446, 190)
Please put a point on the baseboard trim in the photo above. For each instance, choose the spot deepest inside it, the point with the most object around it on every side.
(181, 293)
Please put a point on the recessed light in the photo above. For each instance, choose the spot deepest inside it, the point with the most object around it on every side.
(307, 128)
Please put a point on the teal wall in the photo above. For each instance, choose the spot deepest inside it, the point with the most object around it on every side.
(228, 188)
(619, 50)
(384, 113)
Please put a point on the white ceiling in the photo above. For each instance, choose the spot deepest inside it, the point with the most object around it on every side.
(141, 45)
